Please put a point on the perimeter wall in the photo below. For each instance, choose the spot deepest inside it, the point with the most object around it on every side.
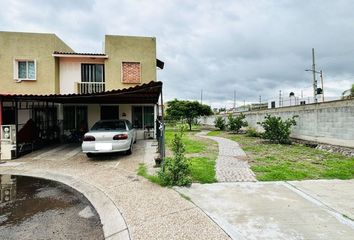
(328, 122)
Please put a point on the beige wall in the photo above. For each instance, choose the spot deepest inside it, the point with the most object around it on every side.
(36, 46)
(130, 49)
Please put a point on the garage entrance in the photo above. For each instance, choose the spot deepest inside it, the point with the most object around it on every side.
(34, 121)
(109, 112)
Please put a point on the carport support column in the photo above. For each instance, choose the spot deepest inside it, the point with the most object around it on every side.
(61, 120)
(1, 107)
(163, 153)
(155, 118)
(16, 127)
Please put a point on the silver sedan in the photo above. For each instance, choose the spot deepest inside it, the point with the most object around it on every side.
(107, 136)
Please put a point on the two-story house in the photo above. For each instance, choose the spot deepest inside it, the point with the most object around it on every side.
(47, 86)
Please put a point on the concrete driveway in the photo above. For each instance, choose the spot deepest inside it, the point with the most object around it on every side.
(129, 206)
(322, 209)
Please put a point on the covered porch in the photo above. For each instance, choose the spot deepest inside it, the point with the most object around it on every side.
(30, 122)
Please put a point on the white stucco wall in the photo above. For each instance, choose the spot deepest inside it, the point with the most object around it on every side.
(127, 109)
(93, 114)
(70, 72)
(328, 122)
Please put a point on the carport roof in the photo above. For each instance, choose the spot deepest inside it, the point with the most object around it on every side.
(145, 93)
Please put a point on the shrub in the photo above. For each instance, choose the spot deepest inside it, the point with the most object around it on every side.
(252, 132)
(175, 171)
(220, 123)
(236, 123)
(276, 130)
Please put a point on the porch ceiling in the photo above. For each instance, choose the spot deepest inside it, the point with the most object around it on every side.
(145, 93)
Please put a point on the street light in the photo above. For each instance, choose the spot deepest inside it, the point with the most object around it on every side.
(321, 76)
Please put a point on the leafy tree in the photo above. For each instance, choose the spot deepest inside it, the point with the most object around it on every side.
(236, 123)
(352, 91)
(276, 130)
(187, 110)
(175, 171)
(220, 123)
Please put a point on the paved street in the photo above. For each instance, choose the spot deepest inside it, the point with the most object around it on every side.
(322, 209)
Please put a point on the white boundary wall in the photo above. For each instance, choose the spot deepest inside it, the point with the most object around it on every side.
(328, 122)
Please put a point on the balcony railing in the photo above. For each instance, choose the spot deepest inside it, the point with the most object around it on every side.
(90, 87)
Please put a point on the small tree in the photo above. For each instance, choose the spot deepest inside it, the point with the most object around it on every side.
(220, 123)
(175, 171)
(188, 110)
(236, 123)
(276, 130)
(352, 91)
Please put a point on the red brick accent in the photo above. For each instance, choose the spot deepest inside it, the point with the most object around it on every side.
(131, 72)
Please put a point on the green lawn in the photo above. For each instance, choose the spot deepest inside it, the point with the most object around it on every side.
(291, 162)
(201, 153)
(192, 146)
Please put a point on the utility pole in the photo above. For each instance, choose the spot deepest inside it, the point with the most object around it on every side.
(234, 99)
(314, 76)
(260, 99)
(279, 98)
(321, 74)
(201, 96)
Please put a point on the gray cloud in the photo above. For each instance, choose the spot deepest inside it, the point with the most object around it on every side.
(255, 47)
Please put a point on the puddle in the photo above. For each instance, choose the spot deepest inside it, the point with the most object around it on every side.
(32, 208)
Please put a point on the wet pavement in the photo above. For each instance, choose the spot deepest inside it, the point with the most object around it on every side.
(33, 208)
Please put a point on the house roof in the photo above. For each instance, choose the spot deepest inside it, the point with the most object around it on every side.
(145, 93)
(160, 64)
(75, 54)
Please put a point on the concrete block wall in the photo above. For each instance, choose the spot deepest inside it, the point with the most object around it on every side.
(328, 122)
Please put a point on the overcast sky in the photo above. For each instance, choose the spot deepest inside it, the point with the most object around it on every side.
(253, 47)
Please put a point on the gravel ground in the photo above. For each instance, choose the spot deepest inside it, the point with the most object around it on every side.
(150, 211)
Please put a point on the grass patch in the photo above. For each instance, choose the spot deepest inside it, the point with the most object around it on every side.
(214, 133)
(185, 196)
(142, 171)
(192, 146)
(272, 162)
(201, 154)
(203, 169)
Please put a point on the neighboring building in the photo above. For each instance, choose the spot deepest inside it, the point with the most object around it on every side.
(43, 80)
(293, 101)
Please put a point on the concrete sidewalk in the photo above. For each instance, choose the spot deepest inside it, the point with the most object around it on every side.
(322, 209)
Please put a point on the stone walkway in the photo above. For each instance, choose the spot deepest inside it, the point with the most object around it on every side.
(231, 164)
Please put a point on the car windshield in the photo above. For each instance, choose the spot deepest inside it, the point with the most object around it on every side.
(109, 125)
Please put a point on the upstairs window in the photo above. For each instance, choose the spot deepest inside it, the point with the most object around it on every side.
(131, 72)
(25, 70)
(92, 72)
